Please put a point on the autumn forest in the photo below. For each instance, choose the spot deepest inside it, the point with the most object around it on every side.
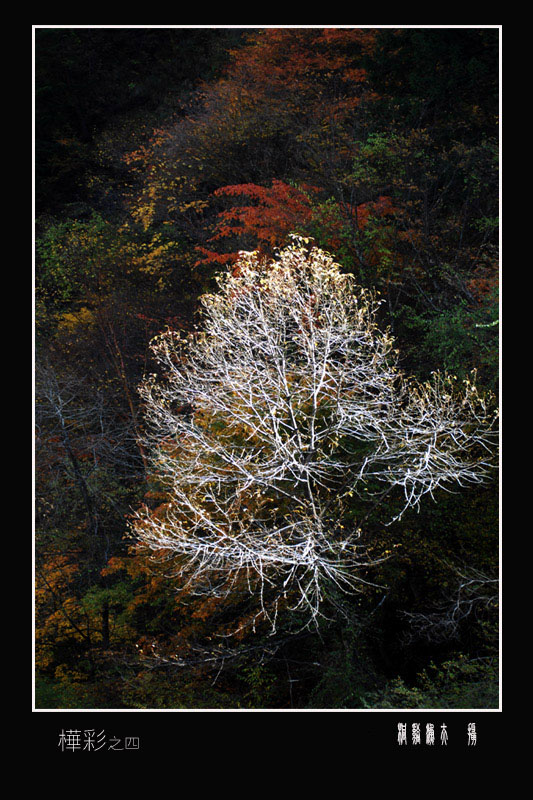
(266, 337)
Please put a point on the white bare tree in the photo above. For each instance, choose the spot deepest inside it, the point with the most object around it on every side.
(471, 593)
(278, 415)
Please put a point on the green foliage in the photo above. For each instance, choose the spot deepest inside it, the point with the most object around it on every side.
(458, 683)
(457, 339)
(347, 671)
(263, 685)
(65, 693)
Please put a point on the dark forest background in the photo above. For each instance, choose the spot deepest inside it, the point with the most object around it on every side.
(159, 154)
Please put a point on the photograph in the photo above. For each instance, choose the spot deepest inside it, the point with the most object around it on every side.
(266, 377)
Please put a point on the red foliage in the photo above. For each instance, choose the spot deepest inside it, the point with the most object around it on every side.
(274, 213)
(377, 208)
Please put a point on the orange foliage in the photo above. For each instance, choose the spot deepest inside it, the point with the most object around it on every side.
(484, 282)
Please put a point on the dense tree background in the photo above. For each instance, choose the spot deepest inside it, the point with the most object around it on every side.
(160, 153)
